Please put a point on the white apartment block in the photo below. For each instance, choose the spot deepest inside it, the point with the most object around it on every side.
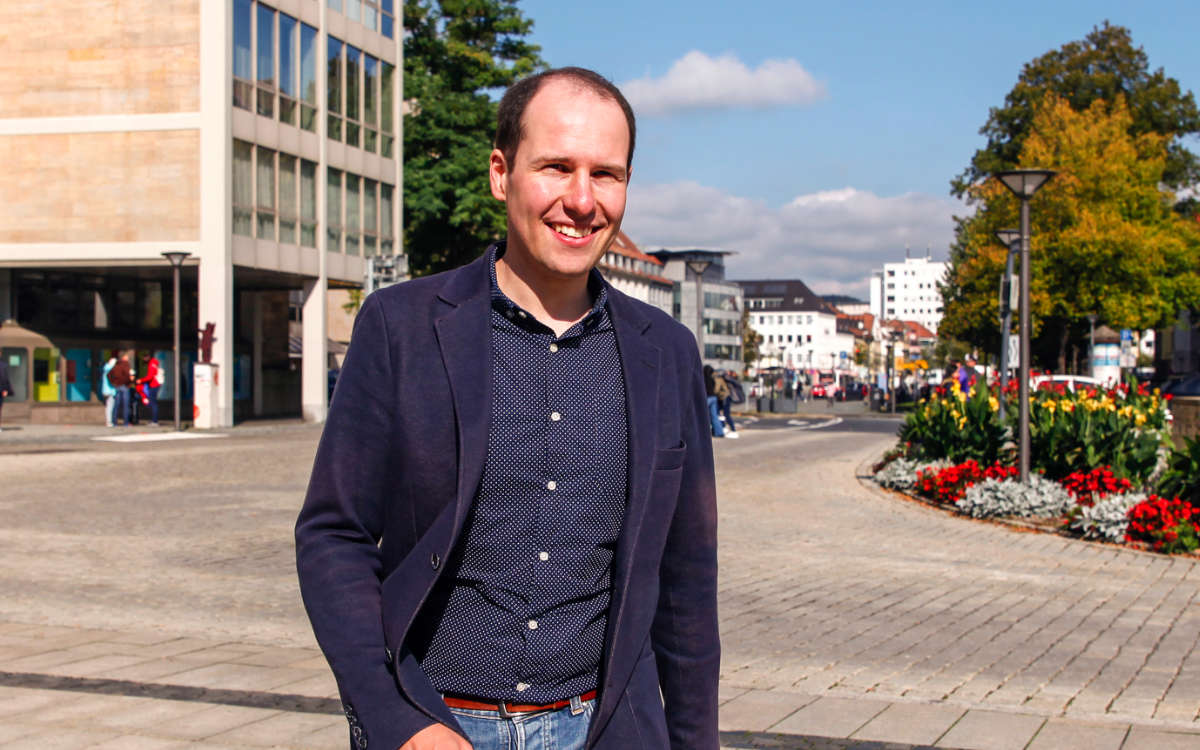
(909, 291)
(799, 329)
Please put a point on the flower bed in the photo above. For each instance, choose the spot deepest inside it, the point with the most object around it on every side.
(1098, 458)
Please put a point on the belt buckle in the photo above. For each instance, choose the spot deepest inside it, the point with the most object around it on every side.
(502, 710)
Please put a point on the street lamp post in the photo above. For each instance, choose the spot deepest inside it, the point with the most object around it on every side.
(1092, 344)
(698, 268)
(176, 259)
(1009, 238)
(1024, 183)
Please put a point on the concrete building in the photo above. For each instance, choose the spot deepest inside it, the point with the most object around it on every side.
(706, 303)
(637, 274)
(909, 291)
(799, 329)
(261, 138)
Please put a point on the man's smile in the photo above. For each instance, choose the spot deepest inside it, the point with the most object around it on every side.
(570, 230)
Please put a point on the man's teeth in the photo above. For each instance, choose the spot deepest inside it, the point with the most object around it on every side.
(570, 231)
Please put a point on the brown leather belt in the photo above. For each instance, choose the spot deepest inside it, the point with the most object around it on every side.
(508, 709)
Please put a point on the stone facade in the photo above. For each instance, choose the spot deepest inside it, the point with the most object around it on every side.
(103, 57)
(100, 187)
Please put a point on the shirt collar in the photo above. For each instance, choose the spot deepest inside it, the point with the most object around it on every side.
(597, 290)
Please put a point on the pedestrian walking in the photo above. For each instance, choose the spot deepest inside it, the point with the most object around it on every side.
(121, 379)
(714, 386)
(5, 387)
(107, 390)
(510, 528)
(148, 386)
(733, 395)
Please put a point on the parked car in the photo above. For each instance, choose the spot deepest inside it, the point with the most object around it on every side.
(818, 391)
(1072, 382)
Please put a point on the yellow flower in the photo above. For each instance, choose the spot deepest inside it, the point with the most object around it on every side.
(993, 403)
(1051, 406)
(1139, 419)
(962, 422)
(1068, 405)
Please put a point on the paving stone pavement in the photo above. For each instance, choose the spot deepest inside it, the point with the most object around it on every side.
(148, 600)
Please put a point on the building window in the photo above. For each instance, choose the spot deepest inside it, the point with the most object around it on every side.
(308, 77)
(264, 184)
(308, 203)
(352, 222)
(288, 84)
(386, 236)
(370, 217)
(387, 18)
(265, 61)
(387, 98)
(722, 351)
(243, 188)
(353, 83)
(333, 210)
(333, 73)
(354, 10)
(287, 199)
(370, 103)
(243, 64)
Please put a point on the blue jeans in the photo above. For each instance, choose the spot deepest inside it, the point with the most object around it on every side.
(564, 729)
(152, 395)
(728, 415)
(121, 410)
(714, 418)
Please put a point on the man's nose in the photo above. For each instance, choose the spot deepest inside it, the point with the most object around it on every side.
(579, 199)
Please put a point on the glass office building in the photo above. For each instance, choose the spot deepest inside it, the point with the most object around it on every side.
(261, 138)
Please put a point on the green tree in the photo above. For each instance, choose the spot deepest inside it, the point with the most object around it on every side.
(1104, 239)
(457, 55)
(1102, 66)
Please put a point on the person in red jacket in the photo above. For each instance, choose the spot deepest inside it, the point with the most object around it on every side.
(148, 386)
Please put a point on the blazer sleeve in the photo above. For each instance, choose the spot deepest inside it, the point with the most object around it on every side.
(337, 536)
(685, 634)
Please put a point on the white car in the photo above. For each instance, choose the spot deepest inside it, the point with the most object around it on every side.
(1071, 381)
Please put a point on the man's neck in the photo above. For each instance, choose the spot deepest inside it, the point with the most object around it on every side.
(557, 303)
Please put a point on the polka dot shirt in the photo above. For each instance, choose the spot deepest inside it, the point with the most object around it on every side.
(526, 593)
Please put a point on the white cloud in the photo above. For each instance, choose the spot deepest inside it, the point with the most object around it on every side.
(832, 240)
(697, 81)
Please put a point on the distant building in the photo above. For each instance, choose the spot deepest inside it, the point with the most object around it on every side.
(706, 303)
(799, 328)
(260, 138)
(909, 291)
(637, 274)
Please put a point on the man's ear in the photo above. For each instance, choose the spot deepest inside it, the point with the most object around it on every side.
(497, 174)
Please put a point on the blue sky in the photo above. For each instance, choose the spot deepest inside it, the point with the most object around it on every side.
(817, 140)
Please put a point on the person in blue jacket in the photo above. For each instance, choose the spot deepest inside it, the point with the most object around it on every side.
(510, 527)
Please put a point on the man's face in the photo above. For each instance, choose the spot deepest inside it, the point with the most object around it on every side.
(565, 188)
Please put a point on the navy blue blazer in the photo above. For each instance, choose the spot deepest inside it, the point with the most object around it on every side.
(397, 468)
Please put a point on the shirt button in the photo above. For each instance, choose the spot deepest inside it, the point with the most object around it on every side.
(521, 313)
(522, 687)
(552, 485)
(553, 348)
(543, 556)
(555, 416)
(533, 624)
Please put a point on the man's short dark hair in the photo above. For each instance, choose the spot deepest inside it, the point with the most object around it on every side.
(512, 106)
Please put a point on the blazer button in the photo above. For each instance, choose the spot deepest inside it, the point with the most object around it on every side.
(435, 561)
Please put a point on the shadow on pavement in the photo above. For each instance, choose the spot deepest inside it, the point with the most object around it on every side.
(741, 740)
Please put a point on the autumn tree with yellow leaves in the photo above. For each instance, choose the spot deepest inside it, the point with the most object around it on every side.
(1105, 239)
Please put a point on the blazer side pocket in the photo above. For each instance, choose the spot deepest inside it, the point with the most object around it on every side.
(670, 458)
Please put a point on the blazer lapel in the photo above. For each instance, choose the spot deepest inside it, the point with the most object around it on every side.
(464, 336)
(641, 368)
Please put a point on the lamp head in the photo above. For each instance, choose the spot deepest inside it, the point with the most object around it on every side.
(1007, 236)
(176, 257)
(1025, 182)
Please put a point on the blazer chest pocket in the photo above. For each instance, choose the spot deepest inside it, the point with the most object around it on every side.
(669, 458)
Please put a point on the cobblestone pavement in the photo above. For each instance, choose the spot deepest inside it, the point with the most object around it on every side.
(148, 600)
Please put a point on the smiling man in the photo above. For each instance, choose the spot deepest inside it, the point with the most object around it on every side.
(509, 536)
